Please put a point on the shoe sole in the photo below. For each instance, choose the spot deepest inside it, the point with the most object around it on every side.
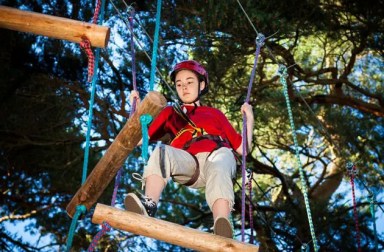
(133, 204)
(223, 228)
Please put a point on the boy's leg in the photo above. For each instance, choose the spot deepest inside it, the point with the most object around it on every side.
(219, 170)
(221, 213)
(164, 161)
(221, 208)
(154, 187)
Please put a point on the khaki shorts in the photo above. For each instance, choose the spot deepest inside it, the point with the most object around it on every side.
(216, 170)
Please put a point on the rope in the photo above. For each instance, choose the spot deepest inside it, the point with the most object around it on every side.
(105, 227)
(249, 20)
(97, 10)
(115, 189)
(304, 248)
(283, 74)
(145, 120)
(155, 45)
(264, 219)
(352, 172)
(372, 202)
(80, 209)
(301, 172)
(172, 92)
(259, 43)
(92, 67)
(85, 44)
(249, 185)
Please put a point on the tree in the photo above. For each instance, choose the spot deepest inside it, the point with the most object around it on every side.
(334, 54)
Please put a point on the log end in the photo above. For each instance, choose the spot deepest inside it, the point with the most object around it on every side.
(107, 35)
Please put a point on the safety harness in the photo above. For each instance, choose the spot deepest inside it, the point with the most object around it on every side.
(198, 134)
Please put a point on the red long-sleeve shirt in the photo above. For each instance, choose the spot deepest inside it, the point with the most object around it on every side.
(212, 120)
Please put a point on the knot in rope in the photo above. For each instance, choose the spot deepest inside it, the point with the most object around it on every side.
(131, 11)
(282, 71)
(351, 168)
(85, 44)
(81, 209)
(249, 176)
(260, 39)
(304, 248)
(372, 198)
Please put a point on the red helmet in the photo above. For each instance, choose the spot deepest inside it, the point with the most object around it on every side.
(192, 66)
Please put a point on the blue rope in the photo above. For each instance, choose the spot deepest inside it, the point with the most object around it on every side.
(80, 209)
(91, 102)
(155, 45)
(145, 120)
(90, 116)
(283, 74)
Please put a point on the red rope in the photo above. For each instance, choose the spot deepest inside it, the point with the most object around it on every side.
(85, 44)
(105, 227)
(97, 10)
(352, 173)
(250, 177)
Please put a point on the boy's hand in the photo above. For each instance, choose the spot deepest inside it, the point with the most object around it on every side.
(246, 109)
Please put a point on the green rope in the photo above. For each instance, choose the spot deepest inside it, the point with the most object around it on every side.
(283, 74)
(155, 45)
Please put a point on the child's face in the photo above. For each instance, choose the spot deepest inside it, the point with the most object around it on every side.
(187, 85)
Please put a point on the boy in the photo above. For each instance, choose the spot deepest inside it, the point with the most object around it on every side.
(200, 153)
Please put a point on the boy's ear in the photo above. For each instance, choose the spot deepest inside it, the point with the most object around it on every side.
(202, 85)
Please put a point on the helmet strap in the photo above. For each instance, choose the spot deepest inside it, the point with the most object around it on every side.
(197, 98)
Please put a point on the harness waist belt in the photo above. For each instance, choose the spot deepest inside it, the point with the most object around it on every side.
(217, 139)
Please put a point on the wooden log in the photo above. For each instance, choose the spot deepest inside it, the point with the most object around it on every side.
(54, 27)
(167, 231)
(107, 167)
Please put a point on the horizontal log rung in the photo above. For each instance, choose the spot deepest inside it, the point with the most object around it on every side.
(167, 231)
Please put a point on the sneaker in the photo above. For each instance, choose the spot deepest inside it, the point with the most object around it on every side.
(223, 227)
(145, 206)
